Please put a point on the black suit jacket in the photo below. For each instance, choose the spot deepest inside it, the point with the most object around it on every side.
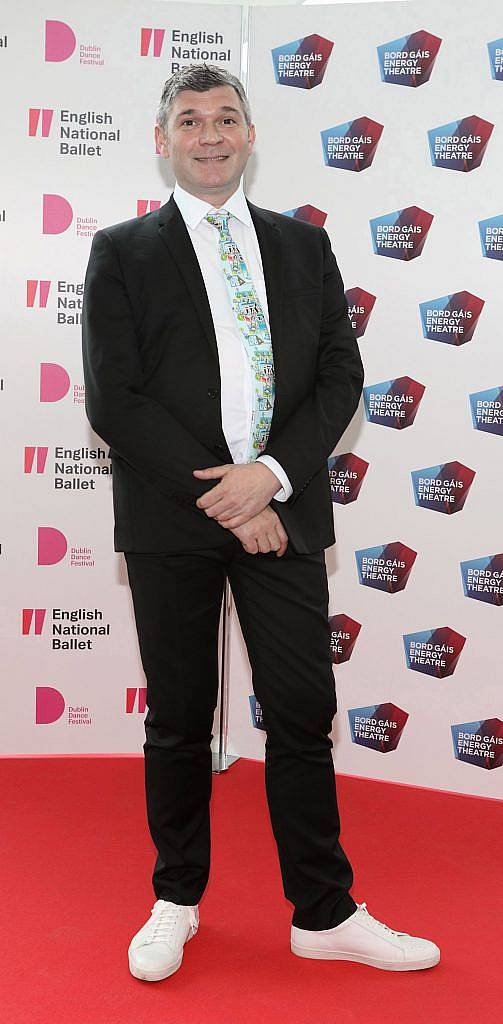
(152, 376)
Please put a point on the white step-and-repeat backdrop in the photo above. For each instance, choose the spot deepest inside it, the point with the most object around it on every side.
(383, 123)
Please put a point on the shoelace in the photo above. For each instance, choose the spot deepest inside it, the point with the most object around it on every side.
(363, 906)
(163, 923)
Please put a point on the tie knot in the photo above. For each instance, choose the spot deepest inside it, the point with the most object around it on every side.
(220, 219)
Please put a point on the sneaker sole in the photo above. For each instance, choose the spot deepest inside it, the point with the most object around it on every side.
(143, 974)
(383, 965)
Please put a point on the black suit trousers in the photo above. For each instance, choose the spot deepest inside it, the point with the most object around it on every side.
(282, 604)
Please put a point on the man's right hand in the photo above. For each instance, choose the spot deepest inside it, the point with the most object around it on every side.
(263, 532)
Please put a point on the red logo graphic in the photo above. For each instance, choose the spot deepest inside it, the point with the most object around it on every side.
(43, 288)
(57, 214)
(32, 617)
(146, 206)
(52, 545)
(49, 705)
(39, 121)
(146, 39)
(360, 305)
(131, 693)
(60, 41)
(29, 457)
(344, 633)
(54, 382)
(346, 473)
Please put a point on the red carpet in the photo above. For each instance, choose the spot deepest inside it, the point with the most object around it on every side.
(77, 860)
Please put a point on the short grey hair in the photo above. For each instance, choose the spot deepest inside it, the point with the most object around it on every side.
(201, 78)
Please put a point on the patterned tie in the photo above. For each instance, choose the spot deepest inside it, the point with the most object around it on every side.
(250, 320)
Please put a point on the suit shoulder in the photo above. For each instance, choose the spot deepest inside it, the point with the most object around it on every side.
(125, 230)
(291, 224)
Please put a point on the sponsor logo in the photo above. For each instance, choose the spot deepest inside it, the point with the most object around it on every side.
(386, 567)
(451, 318)
(409, 60)
(461, 145)
(144, 206)
(40, 121)
(487, 410)
(309, 214)
(434, 651)
(442, 488)
(344, 633)
(256, 713)
(379, 726)
(393, 403)
(346, 473)
(74, 468)
(50, 706)
(38, 288)
(479, 743)
(151, 41)
(495, 51)
(80, 133)
(52, 547)
(302, 62)
(32, 621)
(483, 579)
(72, 629)
(136, 698)
(491, 237)
(68, 296)
(35, 456)
(401, 234)
(360, 305)
(183, 46)
(351, 146)
(61, 43)
(55, 384)
(57, 216)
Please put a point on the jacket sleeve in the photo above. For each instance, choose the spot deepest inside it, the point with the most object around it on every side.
(138, 428)
(310, 434)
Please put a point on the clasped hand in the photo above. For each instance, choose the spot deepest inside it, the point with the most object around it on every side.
(240, 503)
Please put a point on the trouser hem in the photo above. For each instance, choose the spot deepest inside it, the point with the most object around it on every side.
(324, 918)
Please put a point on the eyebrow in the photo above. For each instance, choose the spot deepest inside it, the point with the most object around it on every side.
(193, 110)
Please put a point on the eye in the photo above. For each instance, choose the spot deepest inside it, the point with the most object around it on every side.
(229, 119)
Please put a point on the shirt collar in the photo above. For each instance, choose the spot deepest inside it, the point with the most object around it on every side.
(194, 209)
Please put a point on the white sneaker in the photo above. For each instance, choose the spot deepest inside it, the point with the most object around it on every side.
(156, 951)
(365, 940)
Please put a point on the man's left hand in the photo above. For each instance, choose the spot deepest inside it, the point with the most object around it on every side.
(244, 491)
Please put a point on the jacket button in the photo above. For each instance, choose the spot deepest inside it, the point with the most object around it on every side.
(212, 392)
(220, 447)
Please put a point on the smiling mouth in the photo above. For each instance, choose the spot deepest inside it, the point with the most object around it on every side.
(210, 159)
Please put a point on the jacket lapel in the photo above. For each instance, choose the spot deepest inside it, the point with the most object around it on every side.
(175, 236)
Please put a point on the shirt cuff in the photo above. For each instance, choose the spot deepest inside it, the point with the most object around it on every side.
(286, 489)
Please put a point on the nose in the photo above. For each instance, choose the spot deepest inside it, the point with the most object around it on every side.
(209, 133)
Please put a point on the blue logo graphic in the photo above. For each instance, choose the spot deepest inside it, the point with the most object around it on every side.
(256, 713)
(491, 237)
(495, 50)
(487, 410)
(483, 579)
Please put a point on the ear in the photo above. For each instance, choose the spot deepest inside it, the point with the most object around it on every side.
(161, 141)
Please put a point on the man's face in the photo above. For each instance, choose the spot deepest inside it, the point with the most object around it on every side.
(208, 141)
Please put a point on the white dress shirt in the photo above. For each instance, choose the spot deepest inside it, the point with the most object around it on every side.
(235, 374)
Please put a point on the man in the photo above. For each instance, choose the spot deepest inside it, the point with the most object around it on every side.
(222, 369)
